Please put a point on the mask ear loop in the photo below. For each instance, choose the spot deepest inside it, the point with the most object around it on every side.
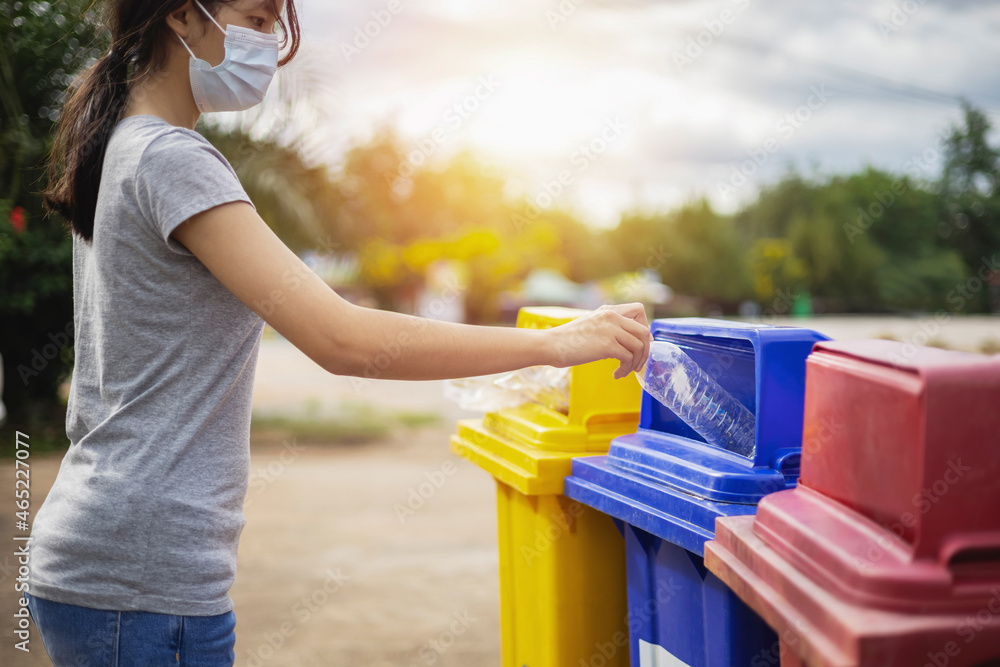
(212, 18)
(187, 47)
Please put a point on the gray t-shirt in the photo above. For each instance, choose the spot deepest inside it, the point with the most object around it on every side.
(147, 509)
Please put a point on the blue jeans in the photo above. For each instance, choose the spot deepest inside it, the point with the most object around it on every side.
(76, 636)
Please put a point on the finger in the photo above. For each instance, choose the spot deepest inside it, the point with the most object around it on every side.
(622, 356)
(634, 311)
(640, 357)
(642, 317)
(646, 336)
(637, 313)
(632, 348)
(646, 342)
(642, 334)
(633, 326)
(620, 353)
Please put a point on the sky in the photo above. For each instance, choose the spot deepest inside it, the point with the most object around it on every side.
(602, 107)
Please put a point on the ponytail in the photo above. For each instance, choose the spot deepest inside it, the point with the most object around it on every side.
(138, 37)
(86, 123)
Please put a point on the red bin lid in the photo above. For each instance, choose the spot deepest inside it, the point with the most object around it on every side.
(901, 474)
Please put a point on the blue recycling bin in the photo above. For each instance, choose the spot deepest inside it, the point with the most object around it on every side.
(667, 485)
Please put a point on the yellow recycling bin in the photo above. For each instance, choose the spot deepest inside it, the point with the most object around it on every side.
(562, 564)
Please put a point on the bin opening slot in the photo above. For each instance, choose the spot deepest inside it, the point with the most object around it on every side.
(787, 461)
(975, 563)
(612, 420)
(729, 362)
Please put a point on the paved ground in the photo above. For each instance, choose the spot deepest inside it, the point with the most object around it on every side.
(329, 575)
(962, 333)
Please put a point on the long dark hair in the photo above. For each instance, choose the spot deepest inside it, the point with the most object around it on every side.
(138, 39)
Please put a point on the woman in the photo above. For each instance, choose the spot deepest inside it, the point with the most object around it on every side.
(134, 550)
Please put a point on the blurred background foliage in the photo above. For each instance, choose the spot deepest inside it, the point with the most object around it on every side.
(43, 45)
(871, 242)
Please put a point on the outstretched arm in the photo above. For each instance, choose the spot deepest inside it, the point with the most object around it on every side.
(235, 244)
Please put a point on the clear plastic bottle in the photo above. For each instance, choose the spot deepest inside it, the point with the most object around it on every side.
(677, 381)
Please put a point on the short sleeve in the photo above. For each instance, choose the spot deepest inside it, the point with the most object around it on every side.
(180, 175)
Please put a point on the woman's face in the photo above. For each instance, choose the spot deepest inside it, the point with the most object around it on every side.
(252, 14)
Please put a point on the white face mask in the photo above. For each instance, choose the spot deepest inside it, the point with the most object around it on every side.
(240, 81)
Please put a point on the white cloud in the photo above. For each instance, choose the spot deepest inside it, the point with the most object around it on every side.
(686, 129)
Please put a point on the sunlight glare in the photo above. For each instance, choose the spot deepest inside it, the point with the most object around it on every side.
(538, 111)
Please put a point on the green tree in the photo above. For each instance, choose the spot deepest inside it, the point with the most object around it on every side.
(390, 193)
(864, 242)
(771, 215)
(695, 249)
(777, 273)
(970, 195)
(42, 46)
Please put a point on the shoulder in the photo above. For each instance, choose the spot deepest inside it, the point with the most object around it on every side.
(178, 172)
(156, 144)
(183, 148)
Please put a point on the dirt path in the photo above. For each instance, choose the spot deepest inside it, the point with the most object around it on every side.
(420, 587)
(329, 574)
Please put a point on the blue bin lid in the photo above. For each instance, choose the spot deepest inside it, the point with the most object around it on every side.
(664, 511)
(764, 368)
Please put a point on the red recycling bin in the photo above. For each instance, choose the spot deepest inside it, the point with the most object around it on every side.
(887, 553)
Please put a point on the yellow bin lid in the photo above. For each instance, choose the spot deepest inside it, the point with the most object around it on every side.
(531, 447)
(530, 470)
(600, 407)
